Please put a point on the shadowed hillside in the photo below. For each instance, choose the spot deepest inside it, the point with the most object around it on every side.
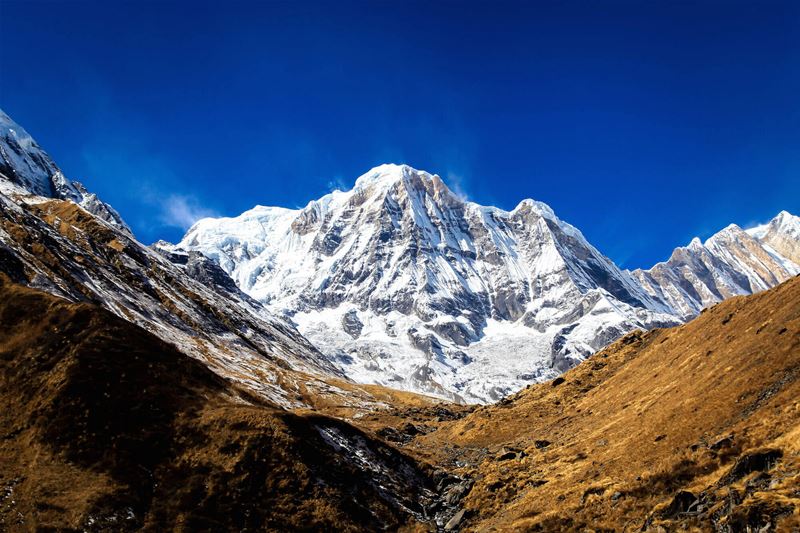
(105, 427)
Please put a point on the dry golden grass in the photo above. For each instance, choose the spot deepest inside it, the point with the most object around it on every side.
(632, 426)
(608, 449)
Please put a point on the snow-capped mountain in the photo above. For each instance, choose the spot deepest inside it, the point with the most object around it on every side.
(781, 235)
(24, 163)
(732, 262)
(403, 283)
(397, 281)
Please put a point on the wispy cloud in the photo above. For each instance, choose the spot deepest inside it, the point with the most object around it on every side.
(182, 211)
(337, 183)
(457, 184)
(145, 182)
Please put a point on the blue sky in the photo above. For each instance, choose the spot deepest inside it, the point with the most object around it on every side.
(642, 123)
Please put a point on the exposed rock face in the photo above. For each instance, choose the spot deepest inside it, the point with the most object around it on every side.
(351, 323)
(200, 268)
(456, 296)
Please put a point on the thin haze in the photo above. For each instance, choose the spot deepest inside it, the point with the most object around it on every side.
(642, 123)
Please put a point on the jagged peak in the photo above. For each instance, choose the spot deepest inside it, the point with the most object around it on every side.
(23, 161)
(386, 176)
(786, 219)
(540, 208)
(731, 232)
(731, 228)
(782, 222)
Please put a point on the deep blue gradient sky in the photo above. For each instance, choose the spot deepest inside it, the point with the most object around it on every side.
(642, 123)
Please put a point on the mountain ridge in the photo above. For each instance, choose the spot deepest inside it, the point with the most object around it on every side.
(399, 281)
(144, 390)
(731, 262)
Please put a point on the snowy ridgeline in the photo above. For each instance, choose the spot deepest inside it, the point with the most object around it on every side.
(401, 282)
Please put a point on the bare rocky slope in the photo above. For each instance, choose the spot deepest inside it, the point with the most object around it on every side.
(105, 427)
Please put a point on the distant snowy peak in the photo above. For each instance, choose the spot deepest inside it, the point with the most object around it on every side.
(782, 234)
(26, 165)
(731, 262)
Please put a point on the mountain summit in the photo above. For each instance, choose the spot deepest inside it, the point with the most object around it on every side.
(402, 282)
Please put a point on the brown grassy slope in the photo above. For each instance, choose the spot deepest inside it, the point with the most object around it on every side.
(611, 446)
(105, 427)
